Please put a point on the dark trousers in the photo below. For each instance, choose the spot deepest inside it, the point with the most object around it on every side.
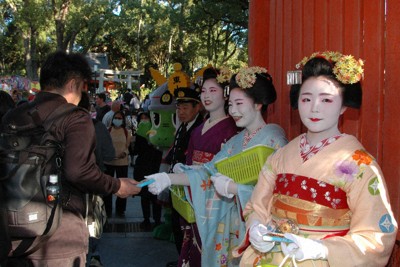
(176, 229)
(149, 202)
(120, 204)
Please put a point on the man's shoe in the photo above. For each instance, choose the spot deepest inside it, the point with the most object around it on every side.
(95, 262)
(172, 264)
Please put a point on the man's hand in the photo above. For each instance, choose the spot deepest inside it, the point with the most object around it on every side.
(128, 188)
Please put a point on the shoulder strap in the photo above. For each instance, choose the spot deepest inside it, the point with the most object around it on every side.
(29, 246)
(60, 112)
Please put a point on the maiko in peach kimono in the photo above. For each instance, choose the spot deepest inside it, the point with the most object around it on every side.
(335, 192)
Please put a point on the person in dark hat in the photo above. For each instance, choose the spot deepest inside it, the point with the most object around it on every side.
(188, 107)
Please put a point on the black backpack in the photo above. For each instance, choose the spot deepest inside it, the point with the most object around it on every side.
(29, 153)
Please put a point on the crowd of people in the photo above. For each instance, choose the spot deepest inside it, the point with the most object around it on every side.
(320, 199)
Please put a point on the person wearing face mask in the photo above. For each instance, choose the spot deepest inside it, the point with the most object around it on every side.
(218, 208)
(323, 191)
(121, 138)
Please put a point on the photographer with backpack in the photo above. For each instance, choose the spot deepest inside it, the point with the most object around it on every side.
(54, 111)
(6, 103)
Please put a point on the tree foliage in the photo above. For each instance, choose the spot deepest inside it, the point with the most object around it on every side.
(133, 33)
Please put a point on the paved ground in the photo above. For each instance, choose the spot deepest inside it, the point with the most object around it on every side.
(127, 246)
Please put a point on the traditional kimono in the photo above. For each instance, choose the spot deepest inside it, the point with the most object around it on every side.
(334, 192)
(202, 148)
(218, 219)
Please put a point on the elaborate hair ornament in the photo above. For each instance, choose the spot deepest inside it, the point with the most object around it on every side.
(224, 75)
(246, 77)
(346, 68)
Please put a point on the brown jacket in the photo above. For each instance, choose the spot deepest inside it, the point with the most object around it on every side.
(80, 172)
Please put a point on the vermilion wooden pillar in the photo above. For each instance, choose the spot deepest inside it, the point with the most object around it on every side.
(281, 32)
(391, 137)
(258, 33)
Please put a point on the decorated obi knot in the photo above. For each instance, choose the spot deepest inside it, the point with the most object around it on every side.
(312, 204)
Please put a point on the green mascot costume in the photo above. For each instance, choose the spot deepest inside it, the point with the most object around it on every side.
(162, 133)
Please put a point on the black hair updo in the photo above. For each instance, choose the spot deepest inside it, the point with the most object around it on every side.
(318, 66)
(212, 73)
(262, 91)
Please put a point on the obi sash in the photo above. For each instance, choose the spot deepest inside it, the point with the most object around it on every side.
(318, 208)
(200, 157)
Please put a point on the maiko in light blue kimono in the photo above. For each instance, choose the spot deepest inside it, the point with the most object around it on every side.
(219, 219)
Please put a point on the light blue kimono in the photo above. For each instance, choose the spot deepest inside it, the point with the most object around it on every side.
(219, 219)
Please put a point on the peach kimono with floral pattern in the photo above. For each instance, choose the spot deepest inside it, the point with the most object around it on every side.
(334, 192)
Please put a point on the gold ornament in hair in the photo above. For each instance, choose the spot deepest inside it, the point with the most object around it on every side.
(224, 75)
(346, 68)
(246, 77)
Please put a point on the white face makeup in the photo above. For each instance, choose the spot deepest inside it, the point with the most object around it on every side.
(320, 106)
(243, 109)
(212, 95)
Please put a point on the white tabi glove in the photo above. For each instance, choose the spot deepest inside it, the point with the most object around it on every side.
(161, 181)
(304, 248)
(223, 184)
(256, 232)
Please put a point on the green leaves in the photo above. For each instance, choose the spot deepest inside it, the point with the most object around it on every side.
(132, 33)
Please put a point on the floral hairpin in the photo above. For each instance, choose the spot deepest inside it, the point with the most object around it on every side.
(246, 77)
(224, 75)
(346, 68)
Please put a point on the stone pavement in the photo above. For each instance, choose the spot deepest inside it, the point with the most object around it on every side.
(124, 244)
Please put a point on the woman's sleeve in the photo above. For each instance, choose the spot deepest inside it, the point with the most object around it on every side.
(373, 227)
